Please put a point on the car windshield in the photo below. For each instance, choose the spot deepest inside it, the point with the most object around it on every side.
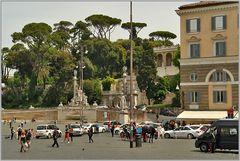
(86, 125)
(41, 127)
(75, 126)
(194, 127)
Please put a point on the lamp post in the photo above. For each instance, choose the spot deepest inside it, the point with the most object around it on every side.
(131, 83)
(81, 50)
(74, 84)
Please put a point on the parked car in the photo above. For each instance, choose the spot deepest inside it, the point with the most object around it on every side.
(77, 129)
(181, 132)
(225, 132)
(96, 128)
(46, 130)
(200, 129)
(117, 130)
(113, 122)
(167, 112)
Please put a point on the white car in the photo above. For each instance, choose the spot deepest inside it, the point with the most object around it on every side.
(46, 130)
(118, 129)
(181, 132)
(96, 128)
(77, 129)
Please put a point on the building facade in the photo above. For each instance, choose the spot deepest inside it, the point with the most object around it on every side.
(164, 60)
(209, 55)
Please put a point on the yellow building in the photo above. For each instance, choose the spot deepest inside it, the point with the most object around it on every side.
(209, 55)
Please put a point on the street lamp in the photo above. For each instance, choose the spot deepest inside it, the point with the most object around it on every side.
(131, 83)
(81, 50)
(74, 84)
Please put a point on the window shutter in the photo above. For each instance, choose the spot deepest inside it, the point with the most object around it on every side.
(224, 76)
(191, 50)
(188, 26)
(214, 96)
(198, 50)
(225, 96)
(224, 22)
(198, 97)
(217, 49)
(213, 23)
(190, 97)
(198, 25)
(224, 48)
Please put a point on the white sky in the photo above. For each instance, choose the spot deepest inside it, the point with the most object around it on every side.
(157, 16)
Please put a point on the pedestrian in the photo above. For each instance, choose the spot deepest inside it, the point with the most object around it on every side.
(28, 137)
(90, 135)
(66, 137)
(22, 141)
(12, 133)
(10, 124)
(55, 137)
(71, 134)
(19, 131)
(112, 130)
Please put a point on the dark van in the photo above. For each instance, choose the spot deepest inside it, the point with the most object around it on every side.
(222, 133)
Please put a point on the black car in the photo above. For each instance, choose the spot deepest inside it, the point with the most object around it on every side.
(167, 112)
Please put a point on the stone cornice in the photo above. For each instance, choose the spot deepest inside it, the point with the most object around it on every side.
(211, 60)
(204, 9)
(165, 49)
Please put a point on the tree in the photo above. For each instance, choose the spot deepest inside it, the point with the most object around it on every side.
(136, 28)
(162, 35)
(4, 65)
(176, 57)
(80, 31)
(102, 25)
(92, 88)
(107, 82)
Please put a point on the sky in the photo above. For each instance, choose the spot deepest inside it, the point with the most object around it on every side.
(159, 16)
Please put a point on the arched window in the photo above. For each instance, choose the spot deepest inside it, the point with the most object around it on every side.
(219, 76)
(159, 60)
(169, 59)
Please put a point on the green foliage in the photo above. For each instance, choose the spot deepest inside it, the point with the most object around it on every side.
(162, 35)
(107, 82)
(162, 106)
(103, 25)
(176, 58)
(92, 88)
(136, 28)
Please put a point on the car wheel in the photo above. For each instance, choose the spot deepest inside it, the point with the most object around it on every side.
(49, 136)
(190, 136)
(60, 135)
(103, 131)
(166, 135)
(37, 137)
(117, 132)
(204, 147)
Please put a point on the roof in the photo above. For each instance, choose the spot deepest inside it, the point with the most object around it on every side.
(214, 115)
(205, 4)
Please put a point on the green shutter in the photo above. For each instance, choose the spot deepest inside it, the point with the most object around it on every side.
(224, 22)
(214, 96)
(224, 96)
(188, 26)
(224, 48)
(198, 50)
(198, 25)
(213, 23)
(217, 48)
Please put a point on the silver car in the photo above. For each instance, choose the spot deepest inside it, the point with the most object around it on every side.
(77, 129)
(181, 132)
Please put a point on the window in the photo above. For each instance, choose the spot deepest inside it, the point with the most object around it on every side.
(219, 23)
(169, 59)
(219, 96)
(194, 97)
(220, 76)
(220, 48)
(193, 25)
(193, 77)
(228, 131)
(194, 50)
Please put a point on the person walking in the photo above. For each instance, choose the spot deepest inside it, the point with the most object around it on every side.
(12, 133)
(66, 137)
(28, 138)
(22, 141)
(90, 134)
(112, 130)
(71, 134)
(19, 131)
(55, 137)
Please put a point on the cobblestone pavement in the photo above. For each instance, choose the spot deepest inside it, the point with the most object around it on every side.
(107, 147)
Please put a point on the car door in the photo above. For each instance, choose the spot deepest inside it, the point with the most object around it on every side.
(176, 132)
(185, 131)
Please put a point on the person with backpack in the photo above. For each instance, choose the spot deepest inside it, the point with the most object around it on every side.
(28, 137)
(55, 137)
(22, 141)
(19, 131)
